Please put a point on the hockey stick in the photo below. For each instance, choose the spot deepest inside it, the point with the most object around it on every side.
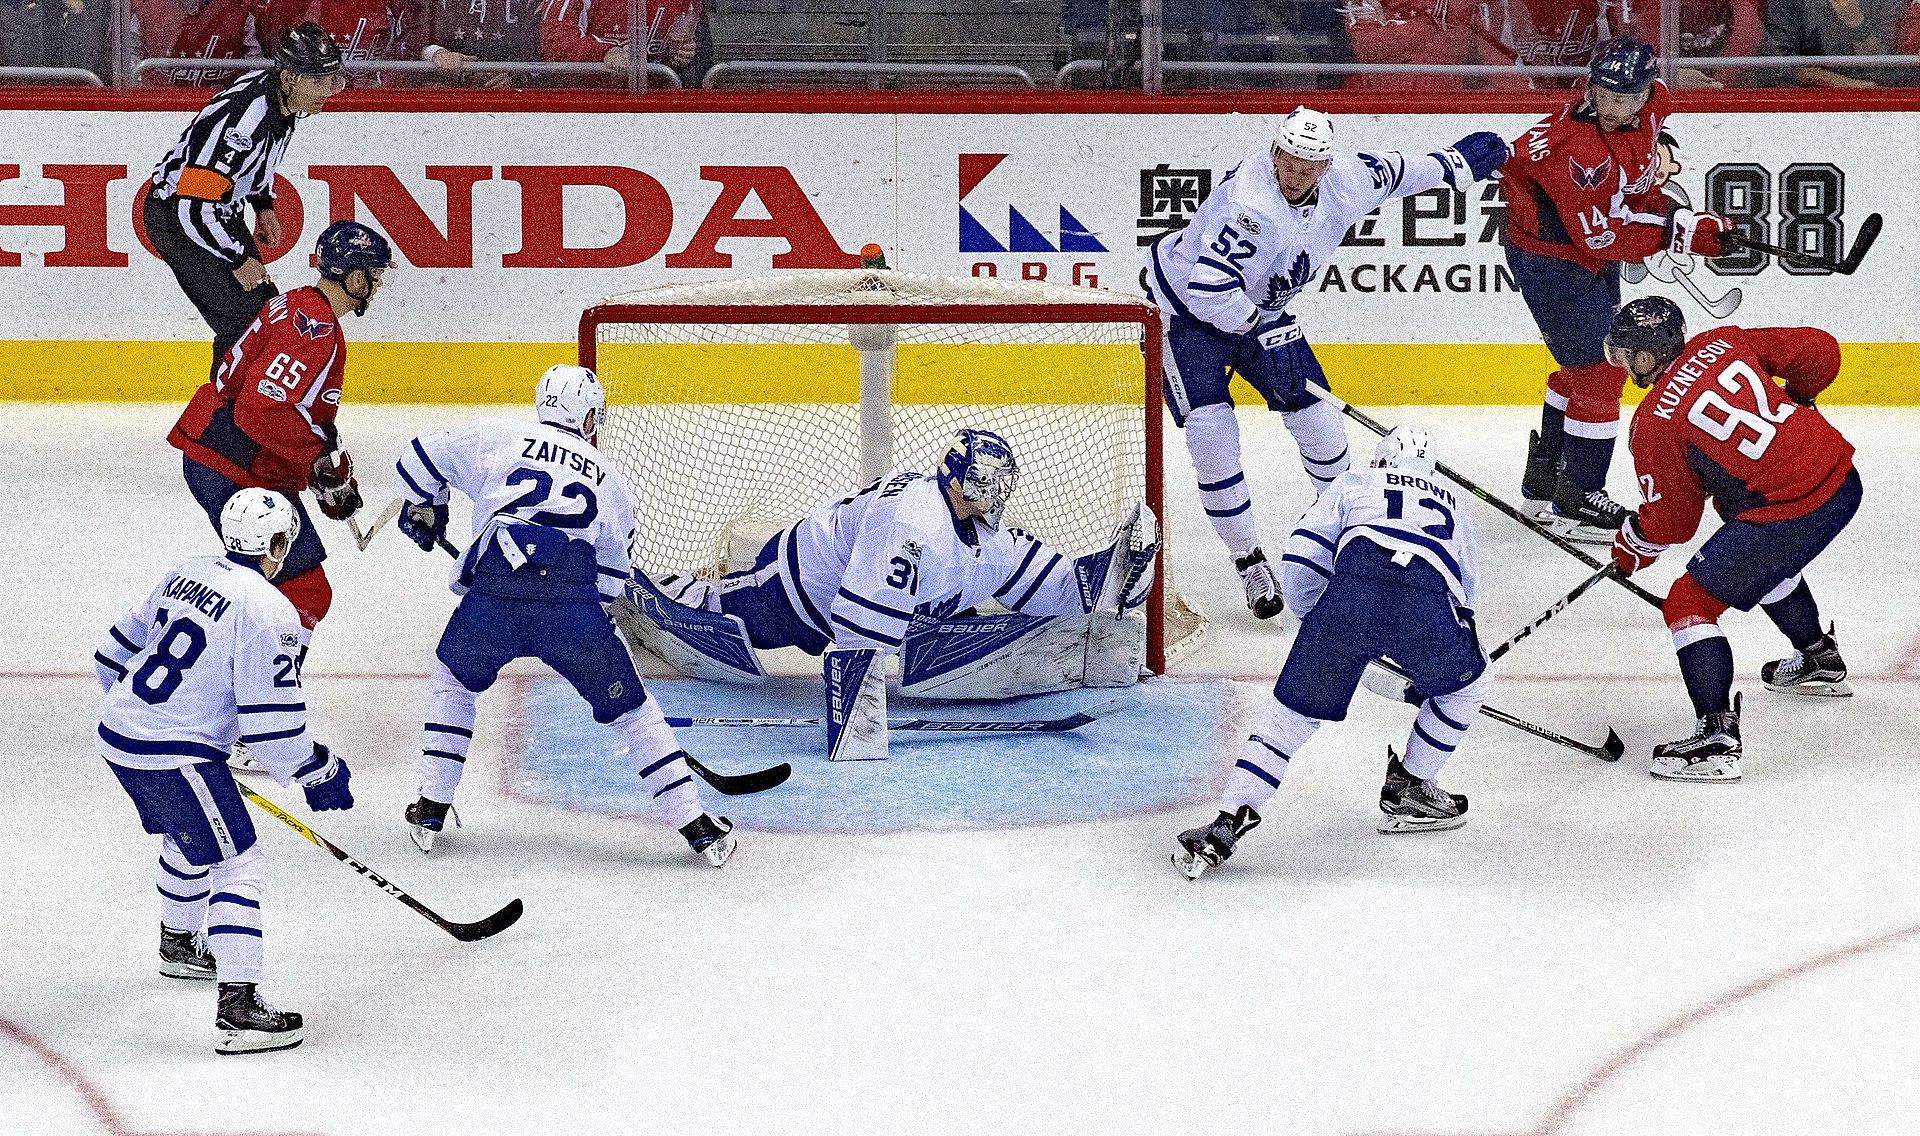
(1460, 479)
(363, 539)
(937, 725)
(1610, 750)
(1559, 606)
(1845, 266)
(465, 932)
(740, 784)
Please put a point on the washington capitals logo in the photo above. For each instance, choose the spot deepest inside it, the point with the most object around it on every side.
(308, 326)
(1589, 178)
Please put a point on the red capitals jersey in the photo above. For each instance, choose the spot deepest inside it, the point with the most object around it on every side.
(1716, 425)
(262, 419)
(1425, 31)
(1707, 27)
(215, 29)
(364, 29)
(1586, 195)
(584, 30)
(1555, 33)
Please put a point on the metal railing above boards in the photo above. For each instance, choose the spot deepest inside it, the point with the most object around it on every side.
(653, 71)
(742, 72)
(79, 76)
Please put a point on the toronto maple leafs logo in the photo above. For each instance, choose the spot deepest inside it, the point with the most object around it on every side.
(1587, 178)
(1282, 289)
(310, 327)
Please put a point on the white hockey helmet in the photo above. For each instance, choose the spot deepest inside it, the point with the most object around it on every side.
(981, 463)
(566, 394)
(1405, 447)
(1307, 134)
(251, 519)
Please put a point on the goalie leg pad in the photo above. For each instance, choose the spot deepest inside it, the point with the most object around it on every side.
(993, 656)
(694, 642)
(856, 689)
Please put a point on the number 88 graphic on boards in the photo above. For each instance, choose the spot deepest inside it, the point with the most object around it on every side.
(1810, 205)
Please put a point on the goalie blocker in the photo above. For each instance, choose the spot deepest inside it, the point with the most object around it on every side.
(903, 567)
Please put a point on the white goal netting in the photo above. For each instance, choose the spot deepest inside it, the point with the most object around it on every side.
(735, 407)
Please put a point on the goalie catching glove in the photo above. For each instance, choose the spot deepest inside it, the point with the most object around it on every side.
(1119, 577)
(332, 480)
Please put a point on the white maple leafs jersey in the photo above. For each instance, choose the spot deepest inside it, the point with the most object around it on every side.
(1401, 512)
(210, 657)
(515, 470)
(868, 563)
(1247, 251)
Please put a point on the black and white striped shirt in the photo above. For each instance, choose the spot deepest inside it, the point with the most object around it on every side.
(225, 160)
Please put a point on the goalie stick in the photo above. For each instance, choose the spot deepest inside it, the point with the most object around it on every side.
(465, 932)
(1459, 479)
(1845, 266)
(935, 725)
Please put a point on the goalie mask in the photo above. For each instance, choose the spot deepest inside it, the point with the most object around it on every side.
(1407, 447)
(571, 398)
(981, 463)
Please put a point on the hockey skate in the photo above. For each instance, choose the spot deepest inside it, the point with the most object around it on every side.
(1817, 672)
(1585, 516)
(184, 954)
(1209, 847)
(1263, 588)
(241, 760)
(1409, 804)
(712, 837)
(245, 1024)
(426, 820)
(1537, 485)
(1711, 754)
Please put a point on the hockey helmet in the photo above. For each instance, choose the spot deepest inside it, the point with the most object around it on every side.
(1653, 324)
(347, 245)
(1307, 134)
(252, 518)
(566, 395)
(1624, 66)
(981, 463)
(1405, 447)
(309, 50)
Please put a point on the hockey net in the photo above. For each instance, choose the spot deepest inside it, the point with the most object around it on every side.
(735, 407)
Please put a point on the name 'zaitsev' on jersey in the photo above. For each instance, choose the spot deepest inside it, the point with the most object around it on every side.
(1715, 426)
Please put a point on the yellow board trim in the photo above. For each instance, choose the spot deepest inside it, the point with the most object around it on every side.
(1366, 374)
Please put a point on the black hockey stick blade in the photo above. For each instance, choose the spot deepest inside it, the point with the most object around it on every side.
(1869, 232)
(1613, 748)
(486, 928)
(742, 784)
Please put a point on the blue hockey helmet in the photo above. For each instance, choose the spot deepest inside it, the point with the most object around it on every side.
(347, 245)
(1624, 66)
(1653, 324)
(981, 463)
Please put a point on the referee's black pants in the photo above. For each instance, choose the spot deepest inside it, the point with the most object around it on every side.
(206, 279)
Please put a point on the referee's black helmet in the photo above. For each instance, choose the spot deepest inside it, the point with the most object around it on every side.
(309, 50)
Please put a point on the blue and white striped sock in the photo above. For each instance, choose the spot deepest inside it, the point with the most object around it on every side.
(183, 889)
(1277, 736)
(1436, 734)
(233, 916)
(451, 709)
(664, 776)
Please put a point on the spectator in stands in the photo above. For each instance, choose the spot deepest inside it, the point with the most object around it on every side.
(596, 30)
(1708, 28)
(466, 31)
(1553, 33)
(1839, 27)
(23, 30)
(364, 29)
(76, 33)
(1426, 31)
(194, 29)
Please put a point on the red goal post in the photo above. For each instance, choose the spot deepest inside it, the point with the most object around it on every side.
(736, 406)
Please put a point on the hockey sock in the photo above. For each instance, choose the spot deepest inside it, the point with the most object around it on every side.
(1553, 422)
(183, 889)
(451, 708)
(1213, 440)
(233, 916)
(1794, 613)
(1707, 666)
(1322, 439)
(663, 774)
(1277, 736)
(1587, 460)
(1435, 735)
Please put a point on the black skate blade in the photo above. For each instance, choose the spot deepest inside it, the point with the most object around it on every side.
(742, 784)
(1613, 748)
(490, 926)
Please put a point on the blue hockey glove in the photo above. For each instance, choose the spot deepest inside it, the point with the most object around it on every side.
(1276, 360)
(424, 525)
(1473, 158)
(325, 780)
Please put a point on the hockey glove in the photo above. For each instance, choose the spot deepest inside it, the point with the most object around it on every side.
(324, 780)
(334, 486)
(1473, 158)
(1631, 551)
(1276, 360)
(1703, 233)
(424, 525)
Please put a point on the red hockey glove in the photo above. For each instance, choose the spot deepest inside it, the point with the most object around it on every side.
(333, 485)
(1703, 233)
(1631, 551)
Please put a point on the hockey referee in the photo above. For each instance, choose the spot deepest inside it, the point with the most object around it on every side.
(196, 210)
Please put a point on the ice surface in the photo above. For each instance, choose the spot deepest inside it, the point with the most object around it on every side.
(1595, 952)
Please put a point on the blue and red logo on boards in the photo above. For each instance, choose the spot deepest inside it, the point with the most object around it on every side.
(1022, 235)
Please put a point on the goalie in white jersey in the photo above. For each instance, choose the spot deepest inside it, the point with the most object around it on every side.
(1383, 565)
(551, 524)
(212, 656)
(1223, 285)
(857, 578)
